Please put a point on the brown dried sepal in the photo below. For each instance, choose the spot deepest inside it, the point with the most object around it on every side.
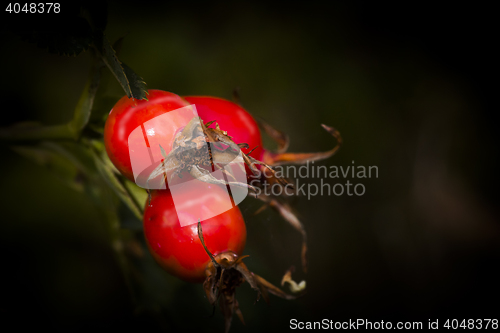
(296, 288)
(269, 178)
(282, 157)
(280, 137)
(224, 273)
(288, 214)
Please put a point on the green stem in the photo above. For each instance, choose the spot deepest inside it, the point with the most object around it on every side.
(114, 181)
(116, 239)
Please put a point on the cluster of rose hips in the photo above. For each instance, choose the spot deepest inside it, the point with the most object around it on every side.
(209, 251)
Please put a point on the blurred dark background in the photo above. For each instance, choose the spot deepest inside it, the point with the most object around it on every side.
(411, 88)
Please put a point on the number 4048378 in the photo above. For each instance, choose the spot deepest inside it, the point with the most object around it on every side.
(34, 8)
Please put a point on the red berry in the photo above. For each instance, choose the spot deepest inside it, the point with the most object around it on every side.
(177, 248)
(232, 118)
(128, 114)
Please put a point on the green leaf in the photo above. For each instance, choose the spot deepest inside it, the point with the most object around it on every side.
(133, 85)
(71, 131)
(105, 98)
(137, 84)
(115, 183)
(86, 101)
(138, 193)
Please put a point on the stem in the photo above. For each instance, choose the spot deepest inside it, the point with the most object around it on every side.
(200, 235)
(114, 182)
(116, 240)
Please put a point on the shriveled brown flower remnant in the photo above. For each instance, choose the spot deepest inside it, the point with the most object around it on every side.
(226, 271)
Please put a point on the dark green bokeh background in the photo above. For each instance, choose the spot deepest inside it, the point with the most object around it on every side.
(411, 91)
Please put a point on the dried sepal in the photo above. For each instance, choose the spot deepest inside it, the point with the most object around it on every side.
(248, 276)
(279, 157)
(224, 273)
(281, 138)
(274, 159)
(271, 288)
(228, 305)
(210, 137)
(294, 286)
(217, 135)
(268, 168)
(287, 213)
(261, 208)
(210, 285)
